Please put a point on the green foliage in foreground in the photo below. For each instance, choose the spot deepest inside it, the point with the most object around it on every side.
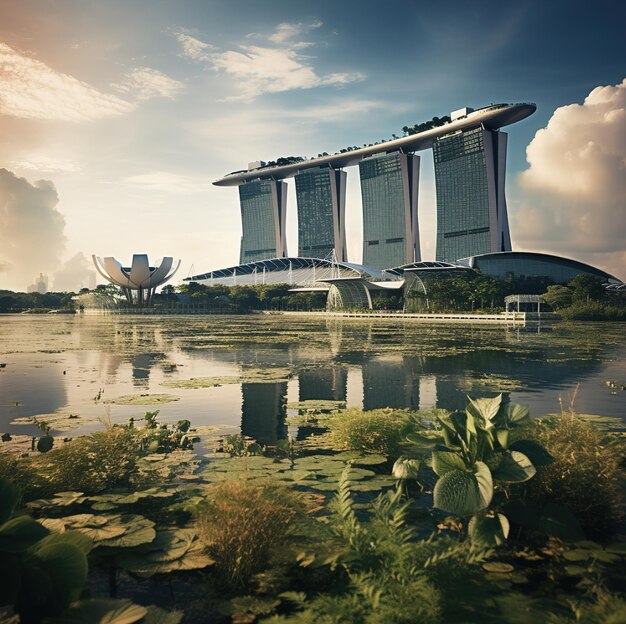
(298, 533)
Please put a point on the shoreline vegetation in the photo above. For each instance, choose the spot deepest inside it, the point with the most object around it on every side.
(388, 515)
(582, 299)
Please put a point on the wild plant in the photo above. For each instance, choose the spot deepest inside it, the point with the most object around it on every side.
(241, 524)
(475, 453)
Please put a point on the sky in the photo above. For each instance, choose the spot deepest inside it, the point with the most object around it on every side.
(116, 116)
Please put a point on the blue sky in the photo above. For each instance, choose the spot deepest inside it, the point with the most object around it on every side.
(131, 109)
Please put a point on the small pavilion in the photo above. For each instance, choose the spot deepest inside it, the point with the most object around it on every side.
(523, 303)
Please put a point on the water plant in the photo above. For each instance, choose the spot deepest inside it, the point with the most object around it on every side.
(376, 431)
(241, 523)
(585, 475)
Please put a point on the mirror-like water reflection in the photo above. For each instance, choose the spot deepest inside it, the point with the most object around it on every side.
(63, 364)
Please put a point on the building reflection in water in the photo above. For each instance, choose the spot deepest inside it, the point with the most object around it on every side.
(263, 411)
(390, 382)
(328, 384)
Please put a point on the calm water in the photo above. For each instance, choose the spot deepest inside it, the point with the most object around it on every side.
(61, 363)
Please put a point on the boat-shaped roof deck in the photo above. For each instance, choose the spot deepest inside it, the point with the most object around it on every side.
(491, 117)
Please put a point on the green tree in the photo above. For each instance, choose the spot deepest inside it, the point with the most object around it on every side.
(586, 288)
(558, 296)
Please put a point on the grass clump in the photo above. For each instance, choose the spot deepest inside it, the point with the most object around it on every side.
(376, 431)
(585, 475)
(242, 524)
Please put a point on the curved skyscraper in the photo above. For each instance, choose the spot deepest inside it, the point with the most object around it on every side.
(471, 207)
(263, 212)
(389, 186)
(321, 197)
(470, 163)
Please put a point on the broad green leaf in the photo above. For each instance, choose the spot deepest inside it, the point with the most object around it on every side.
(75, 538)
(103, 611)
(405, 468)
(534, 451)
(514, 467)
(9, 497)
(444, 461)
(65, 564)
(515, 414)
(462, 492)
(485, 409)
(488, 532)
(19, 534)
(502, 436)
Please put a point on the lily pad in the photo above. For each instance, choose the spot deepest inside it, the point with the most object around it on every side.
(253, 375)
(143, 399)
(172, 550)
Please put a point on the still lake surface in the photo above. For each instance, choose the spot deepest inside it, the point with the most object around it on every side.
(73, 364)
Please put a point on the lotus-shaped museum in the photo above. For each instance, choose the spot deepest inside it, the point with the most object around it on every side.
(140, 280)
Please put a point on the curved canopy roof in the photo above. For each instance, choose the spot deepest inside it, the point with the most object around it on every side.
(491, 117)
(434, 265)
(285, 264)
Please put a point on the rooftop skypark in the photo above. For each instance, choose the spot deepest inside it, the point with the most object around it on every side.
(470, 162)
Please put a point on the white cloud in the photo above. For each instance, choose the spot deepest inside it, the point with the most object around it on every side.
(32, 90)
(193, 48)
(31, 229)
(259, 69)
(576, 181)
(274, 67)
(145, 83)
(286, 31)
(163, 181)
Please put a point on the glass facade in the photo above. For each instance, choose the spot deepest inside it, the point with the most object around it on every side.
(389, 197)
(320, 195)
(464, 214)
(528, 264)
(262, 203)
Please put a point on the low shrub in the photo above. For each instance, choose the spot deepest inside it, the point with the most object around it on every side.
(585, 475)
(593, 311)
(104, 459)
(376, 431)
(242, 523)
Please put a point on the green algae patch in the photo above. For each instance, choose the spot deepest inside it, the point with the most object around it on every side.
(143, 399)
(321, 405)
(260, 375)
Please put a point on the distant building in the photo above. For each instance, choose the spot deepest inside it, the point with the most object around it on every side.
(40, 286)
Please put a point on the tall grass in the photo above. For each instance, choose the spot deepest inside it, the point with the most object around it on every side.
(242, 523)
(376, 431)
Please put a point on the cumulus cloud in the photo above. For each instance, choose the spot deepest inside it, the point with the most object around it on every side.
(76, 273)
(145, 83)
(31, 229)
(274, 67)
(32, 90)
(575, 185)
